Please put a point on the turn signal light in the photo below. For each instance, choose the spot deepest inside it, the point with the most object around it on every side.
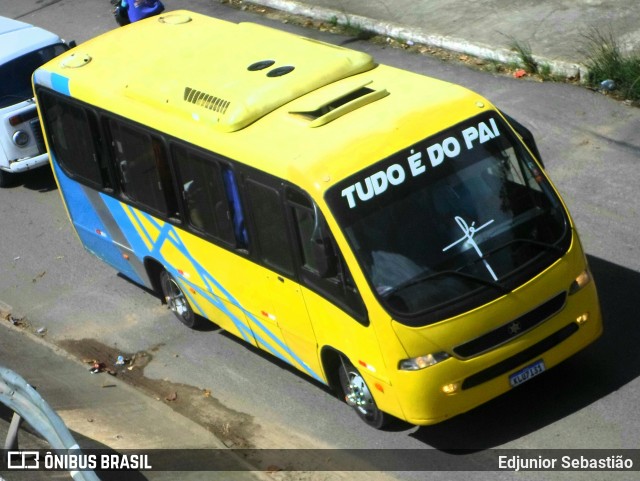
(23, 117)
(582, 318)
(451, 388)
(582, 280)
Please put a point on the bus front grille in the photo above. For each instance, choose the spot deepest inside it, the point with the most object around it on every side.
(512, 329)
(514, 361)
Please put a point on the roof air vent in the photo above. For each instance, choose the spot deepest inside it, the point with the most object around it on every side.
(261, 65)
(280, 71)
(208, 101)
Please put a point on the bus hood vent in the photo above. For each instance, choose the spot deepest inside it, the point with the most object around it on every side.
(205, 100)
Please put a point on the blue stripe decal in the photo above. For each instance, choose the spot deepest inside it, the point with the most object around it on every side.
(60, 83)
(217, 302)
(168, 233)
(87, 223)
(141, 245)
(54, 81)
(130, 231)
(283, 346)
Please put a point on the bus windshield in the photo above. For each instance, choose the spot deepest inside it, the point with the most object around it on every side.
(455, 220)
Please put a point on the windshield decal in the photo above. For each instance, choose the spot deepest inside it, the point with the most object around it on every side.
(396, 174)
(469, 231)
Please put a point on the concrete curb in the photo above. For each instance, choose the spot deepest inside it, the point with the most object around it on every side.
(417, 35)
(116, 411)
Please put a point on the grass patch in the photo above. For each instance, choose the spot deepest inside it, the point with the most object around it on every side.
(544, 70)
(523, 51)
(606, 60)
(356, 31)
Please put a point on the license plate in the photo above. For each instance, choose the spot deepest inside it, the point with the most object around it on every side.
(523, 375)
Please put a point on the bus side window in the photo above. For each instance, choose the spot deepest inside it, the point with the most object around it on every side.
(322, 268)
(74, 137)
(142, 168)
(236, 212)
(269, 220)
(204, 194)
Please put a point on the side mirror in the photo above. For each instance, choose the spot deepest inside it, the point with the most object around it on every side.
(323, 252)
(325, 257)
(527, 137)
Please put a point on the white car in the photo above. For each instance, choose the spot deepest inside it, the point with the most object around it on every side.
(23, 48)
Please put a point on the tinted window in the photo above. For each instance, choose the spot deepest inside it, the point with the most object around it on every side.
(271, 227)
(142, 169)
(323, 269)
(203, 191)
(73, 134)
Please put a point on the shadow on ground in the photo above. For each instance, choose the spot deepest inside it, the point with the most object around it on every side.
(39, 180)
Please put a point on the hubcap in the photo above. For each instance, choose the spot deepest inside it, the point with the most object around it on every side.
(175, 299)
(358, 394)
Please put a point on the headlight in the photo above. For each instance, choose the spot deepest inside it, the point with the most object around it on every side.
(20, 138)
(417, 363)
(582, 280)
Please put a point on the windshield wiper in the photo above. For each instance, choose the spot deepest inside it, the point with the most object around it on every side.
(545, 245)
(426, 277)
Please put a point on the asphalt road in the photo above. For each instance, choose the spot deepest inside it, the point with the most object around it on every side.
(590, 145)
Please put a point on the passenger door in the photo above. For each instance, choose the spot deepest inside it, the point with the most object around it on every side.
(276, 307)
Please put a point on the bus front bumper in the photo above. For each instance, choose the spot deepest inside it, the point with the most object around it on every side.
(455, 386)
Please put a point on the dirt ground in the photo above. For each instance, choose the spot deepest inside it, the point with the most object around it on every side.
(235, 429)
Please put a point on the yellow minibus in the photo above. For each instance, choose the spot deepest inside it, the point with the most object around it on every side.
(390, 235)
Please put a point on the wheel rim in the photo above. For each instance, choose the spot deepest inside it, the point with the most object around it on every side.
(358, 395)
(176, 299)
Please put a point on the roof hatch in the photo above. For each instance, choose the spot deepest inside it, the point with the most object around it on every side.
(331, 103)
(267, 69)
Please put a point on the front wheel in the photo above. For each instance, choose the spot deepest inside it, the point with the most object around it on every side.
(177, 301)
(358, 396)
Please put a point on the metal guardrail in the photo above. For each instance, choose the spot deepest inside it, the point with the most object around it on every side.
(29, 406)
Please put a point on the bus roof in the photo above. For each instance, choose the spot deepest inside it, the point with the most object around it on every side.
(301, 109)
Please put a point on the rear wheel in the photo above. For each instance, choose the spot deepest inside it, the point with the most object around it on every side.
(6, 178)
(177, 301)
(358, 396)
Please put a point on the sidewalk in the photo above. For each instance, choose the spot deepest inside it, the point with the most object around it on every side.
(100, 411)
(554, 29)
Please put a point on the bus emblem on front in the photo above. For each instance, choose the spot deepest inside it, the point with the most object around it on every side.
(514, 328)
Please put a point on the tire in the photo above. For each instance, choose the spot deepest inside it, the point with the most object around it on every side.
(6, 178)
(178, 302)
(358, 396)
